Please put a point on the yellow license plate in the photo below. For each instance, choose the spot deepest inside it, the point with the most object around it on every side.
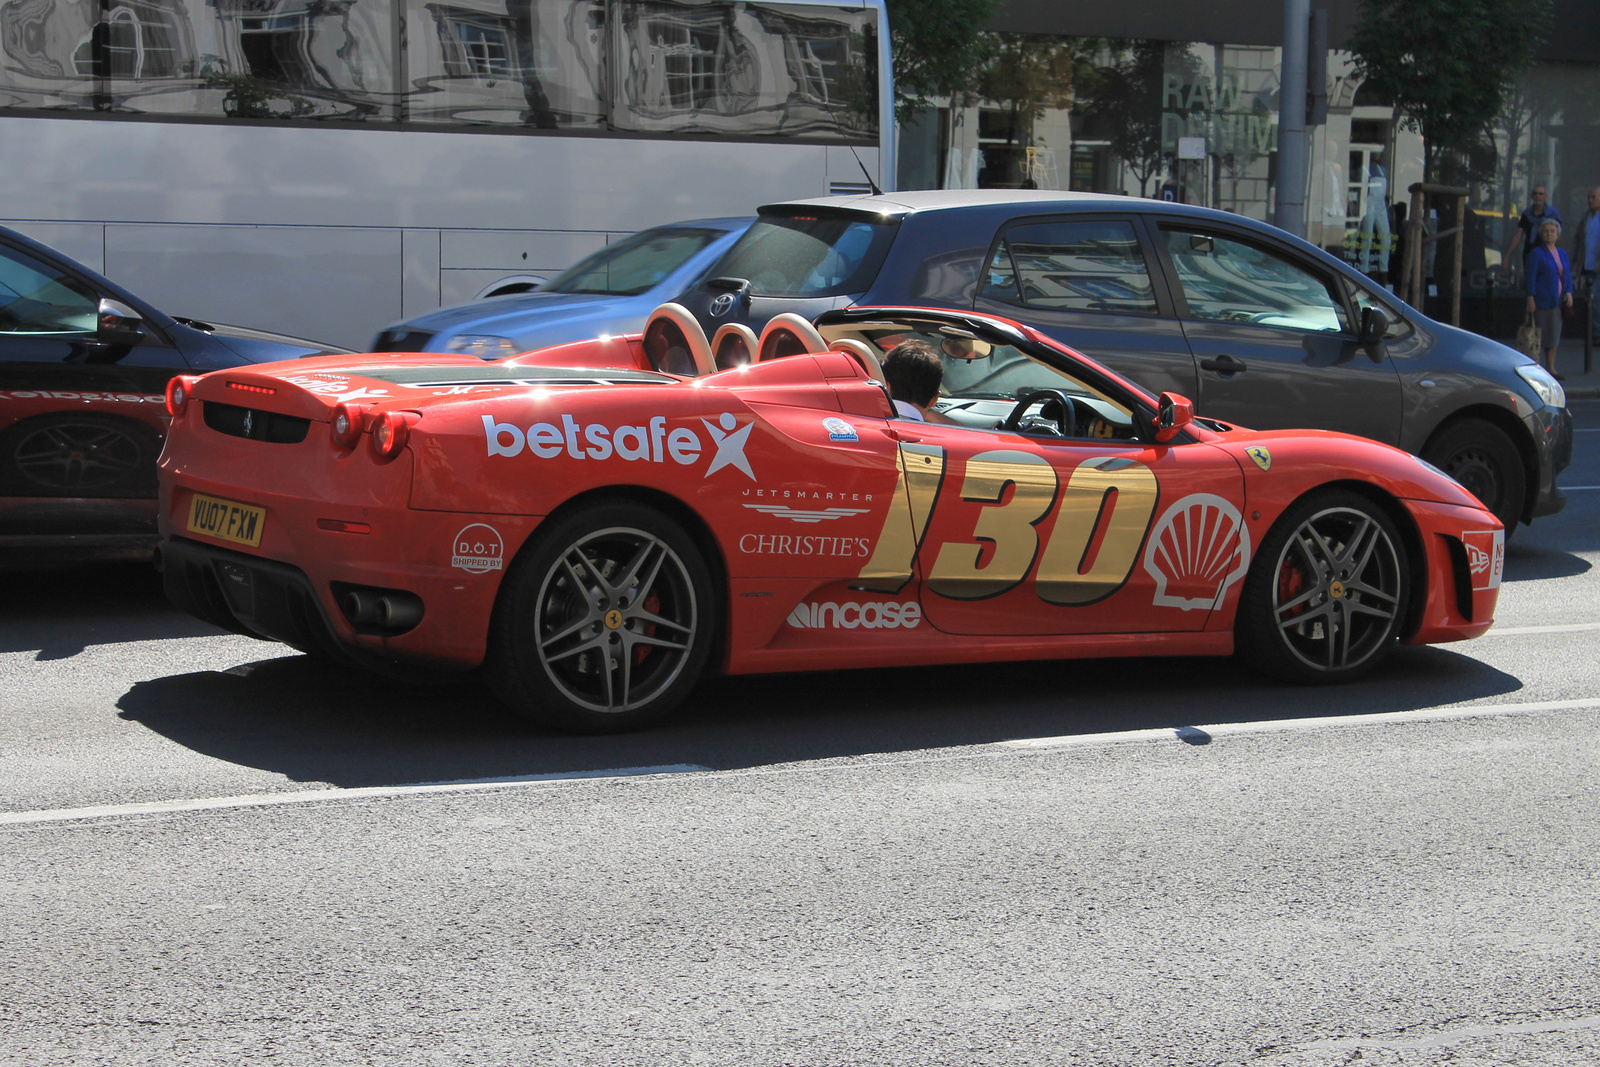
(226, 519)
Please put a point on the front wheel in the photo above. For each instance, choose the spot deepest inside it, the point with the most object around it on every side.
(1326, 594)
(605, 624)
(1485, 461)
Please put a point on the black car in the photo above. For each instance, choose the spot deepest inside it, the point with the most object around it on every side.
(84, 366)
(1258, 327)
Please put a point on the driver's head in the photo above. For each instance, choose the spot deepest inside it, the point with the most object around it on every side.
(914, 371)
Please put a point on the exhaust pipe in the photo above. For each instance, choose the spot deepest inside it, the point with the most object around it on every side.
(399, 611)
(361, 607)
(388, 611)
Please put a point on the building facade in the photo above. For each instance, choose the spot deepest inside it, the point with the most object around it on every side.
(1170, 98)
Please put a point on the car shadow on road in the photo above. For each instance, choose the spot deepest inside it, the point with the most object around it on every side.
(317, 723)
(46, 611)
(1527, 562)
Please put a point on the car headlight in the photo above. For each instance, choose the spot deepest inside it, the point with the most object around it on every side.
(483, 345)
(1545, 384)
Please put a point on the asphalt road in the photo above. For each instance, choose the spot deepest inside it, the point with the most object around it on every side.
(1115, 862)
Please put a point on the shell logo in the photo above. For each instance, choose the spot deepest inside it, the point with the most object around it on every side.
(1197, 551)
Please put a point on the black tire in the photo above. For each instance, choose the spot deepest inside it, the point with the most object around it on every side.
(605, 579)
(1481, 457)
(79, 455)
(1326, 593)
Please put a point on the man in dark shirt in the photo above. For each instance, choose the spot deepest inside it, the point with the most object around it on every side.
(1528, 226)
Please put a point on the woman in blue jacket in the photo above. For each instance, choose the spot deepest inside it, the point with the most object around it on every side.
(1549, 289)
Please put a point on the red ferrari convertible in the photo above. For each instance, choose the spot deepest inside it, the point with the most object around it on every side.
(596, 525)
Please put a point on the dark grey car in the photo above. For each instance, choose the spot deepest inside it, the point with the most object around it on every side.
(1258, 327)
(84, 366)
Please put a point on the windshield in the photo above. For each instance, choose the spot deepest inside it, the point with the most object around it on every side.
(634, 264)
(808, 255)
(982, 380)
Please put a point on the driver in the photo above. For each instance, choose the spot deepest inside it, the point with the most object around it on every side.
(914, 370)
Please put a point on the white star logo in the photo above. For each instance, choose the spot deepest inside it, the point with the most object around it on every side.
(730, 445)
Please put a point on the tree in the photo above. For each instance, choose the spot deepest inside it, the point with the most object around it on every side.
(1447, 66)
(940, 48)
(1126, 108)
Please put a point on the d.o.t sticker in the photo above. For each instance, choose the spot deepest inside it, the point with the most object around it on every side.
(478, 549)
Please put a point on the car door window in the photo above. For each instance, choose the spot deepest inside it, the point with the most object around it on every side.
(1229, 281)
(1081, 265)
(38, 300)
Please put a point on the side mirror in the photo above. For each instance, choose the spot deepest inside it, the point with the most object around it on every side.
(1374, 324)
(118, 324)
(1173, 413)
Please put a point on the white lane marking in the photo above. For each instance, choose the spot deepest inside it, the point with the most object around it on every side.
(1575, 488)
(1518, 631)
(304, 796)
(1381, 718)
(1181, 733)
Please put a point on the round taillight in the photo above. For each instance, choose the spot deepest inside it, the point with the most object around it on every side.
(389, 434)
(346, 424)
(179, 390)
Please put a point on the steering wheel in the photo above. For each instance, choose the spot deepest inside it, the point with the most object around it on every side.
(1066, 416)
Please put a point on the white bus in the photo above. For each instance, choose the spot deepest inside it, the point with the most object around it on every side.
(325, 167)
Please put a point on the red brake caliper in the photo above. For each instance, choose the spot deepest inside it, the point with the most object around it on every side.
(1290, 581)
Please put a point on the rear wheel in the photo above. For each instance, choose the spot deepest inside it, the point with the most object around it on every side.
(1326, 594)
(1484, 460)
(605, 624)
(87, 455)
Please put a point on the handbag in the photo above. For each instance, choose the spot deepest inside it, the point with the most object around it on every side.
(1529, 337)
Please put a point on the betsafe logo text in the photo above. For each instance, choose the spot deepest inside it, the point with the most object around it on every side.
(648, 443)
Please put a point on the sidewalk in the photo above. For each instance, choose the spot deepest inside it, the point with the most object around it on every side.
(1569, 364)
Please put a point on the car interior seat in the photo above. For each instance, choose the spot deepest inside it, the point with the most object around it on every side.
(864, 355)
(734, 345)
(789, 335)
(675, 343)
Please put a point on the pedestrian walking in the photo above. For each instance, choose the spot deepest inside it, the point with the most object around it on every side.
(1527, 234)
(1588, 244)
(1549, 274)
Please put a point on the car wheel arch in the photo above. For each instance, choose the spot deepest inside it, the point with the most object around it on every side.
(674, 508)
(1507, 422)
(1410, 534)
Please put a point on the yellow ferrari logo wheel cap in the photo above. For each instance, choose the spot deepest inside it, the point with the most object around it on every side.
(1336, 590)
(613, 619)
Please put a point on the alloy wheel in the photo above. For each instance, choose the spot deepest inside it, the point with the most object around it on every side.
(1336, 597)
(616, 619)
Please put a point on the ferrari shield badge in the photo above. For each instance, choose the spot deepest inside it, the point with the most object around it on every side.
(1262, 457)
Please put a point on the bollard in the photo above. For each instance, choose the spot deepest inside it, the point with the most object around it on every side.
(1588, 326)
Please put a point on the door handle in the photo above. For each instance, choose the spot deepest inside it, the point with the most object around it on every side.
(1224, 365)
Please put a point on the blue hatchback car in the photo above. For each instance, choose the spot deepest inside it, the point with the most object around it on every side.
(612, 291)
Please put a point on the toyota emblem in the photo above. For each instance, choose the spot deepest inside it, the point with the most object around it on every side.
(723, 305)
